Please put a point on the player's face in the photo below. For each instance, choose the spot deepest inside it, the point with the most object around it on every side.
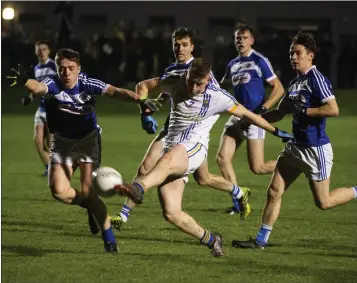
(182, 48)
(196, 85)
(243, 40)
(42, 52)
(68, 72)
(300, 58)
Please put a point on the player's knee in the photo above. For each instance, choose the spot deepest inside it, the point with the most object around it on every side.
(170, 216)
(57, 192)
(38, 140)
(274, 192)
(203, 181)
(321, 204)
(222, 160)
(257, 168)
(143, 169)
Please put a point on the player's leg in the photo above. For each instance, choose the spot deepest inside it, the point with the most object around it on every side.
(170, 195)
(40, 137)
(240, 195)
(150, 159)
(326, 199)
(319, 179)
(96, 207)
(255, 152)
(227, 148)
(284, 175)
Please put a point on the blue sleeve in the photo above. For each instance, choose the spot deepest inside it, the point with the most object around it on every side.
(51, 86)
(321, 87)
(267, 70)
(94, 86)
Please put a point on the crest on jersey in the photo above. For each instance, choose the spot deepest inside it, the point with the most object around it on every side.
(205, 103)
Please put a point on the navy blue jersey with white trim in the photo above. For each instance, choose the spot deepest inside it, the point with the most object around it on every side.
(70, 112)
(313, 89)
(248, 75)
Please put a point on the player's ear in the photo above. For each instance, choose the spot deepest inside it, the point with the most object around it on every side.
(192, 47)
(312, 56)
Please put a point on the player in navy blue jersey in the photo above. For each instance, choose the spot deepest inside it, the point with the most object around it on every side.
(183, 45)
(70, 104)
(310, 99)
(248, 72)
(46, 68)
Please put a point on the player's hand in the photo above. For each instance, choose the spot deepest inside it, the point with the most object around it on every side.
(285, 137)
(26, 100)
(260, 110)
(153, 104)
(148, 123)
(299, 108)
(18, 77)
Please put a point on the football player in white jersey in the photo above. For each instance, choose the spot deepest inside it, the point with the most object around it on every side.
(183, 45)
(248, 72)
(195, 100)
(70, 103)
(311, 101)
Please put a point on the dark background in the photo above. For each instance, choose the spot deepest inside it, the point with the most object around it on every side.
(124, 42)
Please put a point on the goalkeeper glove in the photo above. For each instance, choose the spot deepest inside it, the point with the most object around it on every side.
(148, 123)
(18, 77)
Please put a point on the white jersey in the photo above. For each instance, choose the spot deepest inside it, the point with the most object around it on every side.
(193, 118)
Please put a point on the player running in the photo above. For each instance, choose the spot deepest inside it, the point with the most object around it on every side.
(194, 101)
(248, 72)
(46, 68)
(311, 101)
(76, 137)
(183, 45)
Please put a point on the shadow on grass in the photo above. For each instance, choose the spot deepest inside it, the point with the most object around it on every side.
(35, 252)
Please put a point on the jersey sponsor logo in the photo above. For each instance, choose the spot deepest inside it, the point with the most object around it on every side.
(75, 104)
(43, 73)
(241, 78)
(243, 66)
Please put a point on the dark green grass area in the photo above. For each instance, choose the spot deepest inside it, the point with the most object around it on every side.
(46, 241)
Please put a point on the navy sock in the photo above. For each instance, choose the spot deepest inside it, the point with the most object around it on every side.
(207, 238)
(139, 185)
(108, 235)
(263, 234)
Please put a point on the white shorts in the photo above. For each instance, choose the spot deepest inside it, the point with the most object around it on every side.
(315, 162)
(233, 128)
(197, 154)
(72, 151)
(40, 117)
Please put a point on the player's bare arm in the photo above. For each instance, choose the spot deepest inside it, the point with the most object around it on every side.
(144, 87)
(36, 88)
(276, 93)
(121, 93)
(328, 109)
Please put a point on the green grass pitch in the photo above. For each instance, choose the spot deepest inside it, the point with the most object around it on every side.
(46, 241)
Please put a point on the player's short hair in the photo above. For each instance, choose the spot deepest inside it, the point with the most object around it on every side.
(200, 67)
(241, 27)
(305, 39)
(184, 32)
(69, 54)
(40, 42)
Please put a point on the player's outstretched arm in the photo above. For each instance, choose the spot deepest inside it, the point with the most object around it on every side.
(144, 87)
(242, 112)
(20, 77)
(126, 94)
